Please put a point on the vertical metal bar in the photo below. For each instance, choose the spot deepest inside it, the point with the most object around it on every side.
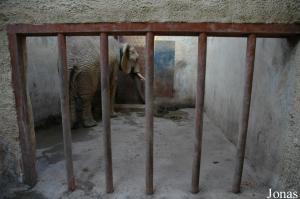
(149, 110)
(243, 125)
(106, 111)
(17, 47)
(65, 110)
(202, 43)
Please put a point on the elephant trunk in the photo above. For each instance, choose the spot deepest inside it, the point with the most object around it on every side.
(140, 76)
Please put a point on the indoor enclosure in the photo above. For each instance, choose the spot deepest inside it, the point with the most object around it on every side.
(150, 118)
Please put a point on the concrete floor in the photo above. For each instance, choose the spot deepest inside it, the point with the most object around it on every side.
(173, 147)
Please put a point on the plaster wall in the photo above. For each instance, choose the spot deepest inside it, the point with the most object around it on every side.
(224, 77)
(185, 69)
(43, 78)
(58, 11)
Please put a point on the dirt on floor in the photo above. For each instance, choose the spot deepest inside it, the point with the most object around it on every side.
(173, 149)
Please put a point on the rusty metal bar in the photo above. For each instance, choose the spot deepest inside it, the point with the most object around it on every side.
(17, 48)
(202, 44)
(149, 70)
(106, 111)
(243, 125)
(174, 28)
(65, 110)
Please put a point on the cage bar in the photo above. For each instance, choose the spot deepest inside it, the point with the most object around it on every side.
(202, 45)
(17, 48)
(244, 119)
(65, 110)
(106, 111)
(149, 110)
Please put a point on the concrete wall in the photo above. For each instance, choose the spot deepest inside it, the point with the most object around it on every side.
(288, 169)
(37, 11)
(43, 79)
(185, 70)
(224, 77)
(272, 146)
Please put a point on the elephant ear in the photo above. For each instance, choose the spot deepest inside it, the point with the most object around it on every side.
(125, 66)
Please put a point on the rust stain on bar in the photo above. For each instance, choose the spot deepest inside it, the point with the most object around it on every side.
(17, 48)
(65, 110)
(167, 28)
(202, 45)
(106, 111)
(243, 125)
(149, 110)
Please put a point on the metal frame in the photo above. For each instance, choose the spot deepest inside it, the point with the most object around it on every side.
(17, 46)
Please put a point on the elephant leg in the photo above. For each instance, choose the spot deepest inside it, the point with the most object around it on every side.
(96, 105)
(72, 101)
(87, 117)
(73, 111)
(113, 89)
(86, 87)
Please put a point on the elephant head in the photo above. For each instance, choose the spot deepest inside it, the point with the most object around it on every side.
(129, 61)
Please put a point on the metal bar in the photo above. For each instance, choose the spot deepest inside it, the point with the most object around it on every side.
(17, 47)
(65, 110)
(174, 28)
(106, 111)
(202, 43)
(149, 70)
(243, 125)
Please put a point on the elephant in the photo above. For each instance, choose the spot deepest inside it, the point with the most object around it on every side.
(83, 61)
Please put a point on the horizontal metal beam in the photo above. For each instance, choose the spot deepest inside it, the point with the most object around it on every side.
(172, 28)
